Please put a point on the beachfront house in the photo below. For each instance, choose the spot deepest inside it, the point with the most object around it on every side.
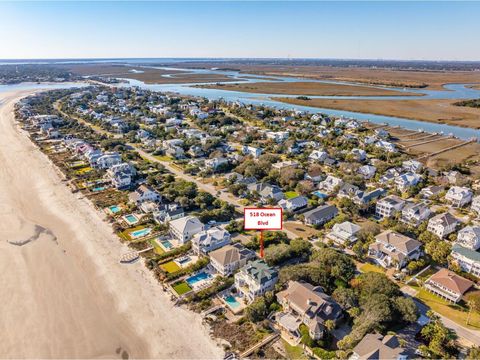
(185, 228)
(448, 285)
(255, 279)
(393, 249)
(121, 175)
(377, 346)
(389, 206)
(320, 215)
(442, 224)
(459, 196)
(168, 212)
(344, 233)
(303, 303)
(143, 194)
(209, 240)
(107, 160)
(228, 259)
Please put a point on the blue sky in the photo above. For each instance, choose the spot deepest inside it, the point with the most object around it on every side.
(373, 30)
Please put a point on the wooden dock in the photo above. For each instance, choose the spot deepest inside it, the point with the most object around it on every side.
(426, 156)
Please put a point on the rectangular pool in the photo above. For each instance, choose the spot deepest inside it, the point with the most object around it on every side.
(131, 219)
(320, 194)
(192, 280)
(140, 233)
(114, 209)
(166, 244)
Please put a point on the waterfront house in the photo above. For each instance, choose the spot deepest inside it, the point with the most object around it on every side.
(209, 240)
(293, 204)
(377, 346)
(459, 196)
(107, 160)
(393, 249)
(144, 193)
(228, 259)
(121, 175)
(255, 279)
(183, 229)
(344, 233)
(303, 303)
(389, 206)
(415, 213)
(168, 212)
(448, 285)
(320, 215)
(469, 237)
(412, 166)
(442, 224)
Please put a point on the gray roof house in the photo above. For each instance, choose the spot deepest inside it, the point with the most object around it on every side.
(377, 346)
(255, 279)
(320, 215)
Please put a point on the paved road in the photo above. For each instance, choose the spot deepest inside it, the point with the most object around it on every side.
(468, 334)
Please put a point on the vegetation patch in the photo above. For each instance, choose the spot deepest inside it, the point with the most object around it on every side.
(170, 267)
(181, 288)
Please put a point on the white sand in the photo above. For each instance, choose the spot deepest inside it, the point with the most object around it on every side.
(64, 294)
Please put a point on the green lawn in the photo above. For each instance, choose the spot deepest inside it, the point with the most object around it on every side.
(372, 268)
(454, 312)
(290, 194)
(170, 267)
(293, 352)
(181, 288)
(156, 249)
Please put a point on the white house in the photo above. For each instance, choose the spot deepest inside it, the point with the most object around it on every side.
(415, 213)
(317, 155)
(251, 150)
(294, 203)
(459, 196)
(108, 160)
(277, 136)
(228, 259)
(388, 206)
(185, 228)
(121, 175)
(476, 205)
(367, 171)
(209, 240)
(143, 194)
(394, 249)
(412, 166)
(330, 184)
(407, 180)
(387, 146)
(215, 163)
(359, 154)
(442, 224)
(344, 233)
(469, 237)
(255, 279)
(467, 259)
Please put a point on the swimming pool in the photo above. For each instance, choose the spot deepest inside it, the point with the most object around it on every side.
(192, 280)
(114, 209)
(139, 233)
(231, 302)
(166, 244)
(320, 194)
(131, 219)
(184, 260)
(100, 188)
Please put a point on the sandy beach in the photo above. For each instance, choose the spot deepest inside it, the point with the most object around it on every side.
(63, 293)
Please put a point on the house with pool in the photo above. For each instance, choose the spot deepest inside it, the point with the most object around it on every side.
(209, 240)
(255, 279)
(228, 259)
(143, 194)
(185, 228)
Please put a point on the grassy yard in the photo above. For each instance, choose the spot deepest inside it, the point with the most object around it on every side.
(163, 157)
(181, 288)
(454, 312)
(84, 170)
(290, 194)
(156, 249)
(170, 267)
(372, 268)
(293, 352)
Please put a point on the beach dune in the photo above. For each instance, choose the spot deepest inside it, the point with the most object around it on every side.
(63, 293)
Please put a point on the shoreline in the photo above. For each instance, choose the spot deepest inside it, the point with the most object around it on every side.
(92, 306)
